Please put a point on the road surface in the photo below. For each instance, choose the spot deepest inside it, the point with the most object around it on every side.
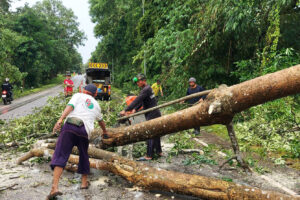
(26, 105)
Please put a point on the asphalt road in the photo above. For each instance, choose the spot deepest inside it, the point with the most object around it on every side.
(26, 105)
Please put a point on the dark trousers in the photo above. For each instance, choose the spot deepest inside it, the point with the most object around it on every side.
(153, 146)
(10, 94)
(67, 139)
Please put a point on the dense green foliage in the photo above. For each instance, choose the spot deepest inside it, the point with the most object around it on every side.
(214, 41)
(222, 41)
(27, 128)
(273, 126)
(21, 92)
(38, 42)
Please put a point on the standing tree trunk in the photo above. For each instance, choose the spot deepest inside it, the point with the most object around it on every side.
(218, 108)
(165, 180)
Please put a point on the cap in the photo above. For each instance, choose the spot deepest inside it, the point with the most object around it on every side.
(6, 79)
(68, 73)
(192, 79)
(139, 77)
(91, 88)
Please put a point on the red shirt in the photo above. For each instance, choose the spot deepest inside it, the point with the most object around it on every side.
(70, 82)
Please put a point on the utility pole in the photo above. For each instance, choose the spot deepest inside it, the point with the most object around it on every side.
(145, 67)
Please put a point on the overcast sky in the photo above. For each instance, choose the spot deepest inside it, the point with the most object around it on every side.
(81, 10)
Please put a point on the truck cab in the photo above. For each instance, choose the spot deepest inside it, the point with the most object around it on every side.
(99, 75)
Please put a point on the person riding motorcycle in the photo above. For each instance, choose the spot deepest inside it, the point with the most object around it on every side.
(8, 87)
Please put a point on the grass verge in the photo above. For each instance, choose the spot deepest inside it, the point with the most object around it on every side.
(49, 84)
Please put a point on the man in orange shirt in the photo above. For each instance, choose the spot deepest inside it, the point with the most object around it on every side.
(68, 85)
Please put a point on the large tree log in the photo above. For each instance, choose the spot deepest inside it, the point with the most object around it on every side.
(218, 108)
(165, 180)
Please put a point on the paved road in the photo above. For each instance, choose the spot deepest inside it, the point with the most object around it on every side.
(26, 105)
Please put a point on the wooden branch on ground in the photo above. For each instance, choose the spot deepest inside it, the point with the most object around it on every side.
(192, 151)
(2, 188)
(165, 180)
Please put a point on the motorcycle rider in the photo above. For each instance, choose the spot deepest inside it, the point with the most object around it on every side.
(8, 87)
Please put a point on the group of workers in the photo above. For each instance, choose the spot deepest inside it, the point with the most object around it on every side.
(83, 110)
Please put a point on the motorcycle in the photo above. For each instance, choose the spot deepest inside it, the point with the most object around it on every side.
(6, 97)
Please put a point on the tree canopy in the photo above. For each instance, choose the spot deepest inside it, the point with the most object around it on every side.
(38, 42)
(215, 41)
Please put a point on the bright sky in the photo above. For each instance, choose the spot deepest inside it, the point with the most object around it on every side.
(81, 10)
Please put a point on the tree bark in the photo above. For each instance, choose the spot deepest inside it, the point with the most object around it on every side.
(218, 108)
(165, 180)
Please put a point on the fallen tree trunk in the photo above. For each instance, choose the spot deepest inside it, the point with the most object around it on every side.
(164, 180)
(218, 108)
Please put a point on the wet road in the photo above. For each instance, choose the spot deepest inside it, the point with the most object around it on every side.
(26, 105)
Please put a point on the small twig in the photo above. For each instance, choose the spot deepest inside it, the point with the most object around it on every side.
(227, 161)
(46, 136)
(14, 177)
(192, 151)
(8, 187)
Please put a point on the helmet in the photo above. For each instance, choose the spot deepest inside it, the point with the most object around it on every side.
(6, 79)
(141, 77)
(192, 79)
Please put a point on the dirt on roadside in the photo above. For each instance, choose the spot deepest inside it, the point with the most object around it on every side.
(32, 180)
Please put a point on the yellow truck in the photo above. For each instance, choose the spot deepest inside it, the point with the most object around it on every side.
(100, 76)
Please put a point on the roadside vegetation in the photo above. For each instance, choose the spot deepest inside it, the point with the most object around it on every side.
(217, 42)
(20, 92)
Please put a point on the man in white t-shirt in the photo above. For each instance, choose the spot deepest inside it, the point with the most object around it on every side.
(80, 113)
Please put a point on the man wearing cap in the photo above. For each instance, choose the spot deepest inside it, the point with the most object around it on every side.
(68, 85)
(194, 88)
(80, 113)
(146, 99)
